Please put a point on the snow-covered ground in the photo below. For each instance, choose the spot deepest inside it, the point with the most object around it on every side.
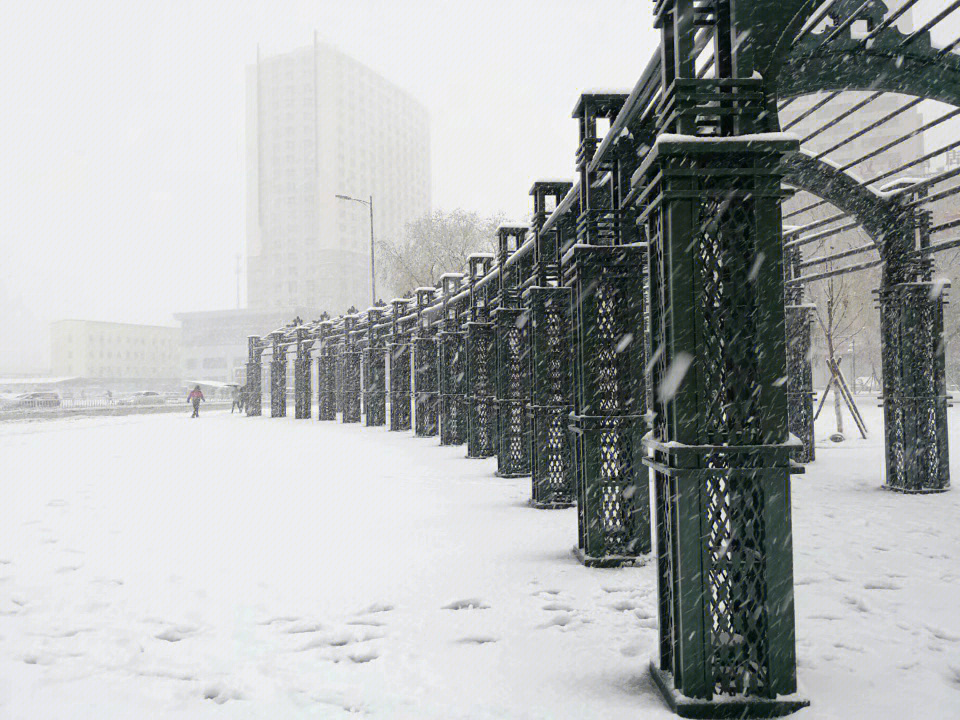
(157, 566)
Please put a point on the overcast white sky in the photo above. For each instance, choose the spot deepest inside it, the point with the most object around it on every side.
(122, 126)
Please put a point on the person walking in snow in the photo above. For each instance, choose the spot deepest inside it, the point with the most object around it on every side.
(237, 400)
(195, 397)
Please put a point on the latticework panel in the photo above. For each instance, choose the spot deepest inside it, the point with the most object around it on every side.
(399, 355)
(326, 386)
(350, 392)
(453, 381)
(551, 393)
(609, 402)
(481, 400)
(513, 456)
(915, 401)
(800, 380)
(551, 457)
(426, 388)
(278, 388)
(736, 572)
(301, 388)
(254, 394)
(374, 385)
(728, 313)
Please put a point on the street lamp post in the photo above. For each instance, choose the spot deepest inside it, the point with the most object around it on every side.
(373, 280)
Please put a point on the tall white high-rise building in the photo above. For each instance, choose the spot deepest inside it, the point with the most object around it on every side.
(320, 124)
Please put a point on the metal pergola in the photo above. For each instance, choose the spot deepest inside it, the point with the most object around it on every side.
(651, 328)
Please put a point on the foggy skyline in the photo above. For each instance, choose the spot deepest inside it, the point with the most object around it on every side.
(123, 184)
(125, 126)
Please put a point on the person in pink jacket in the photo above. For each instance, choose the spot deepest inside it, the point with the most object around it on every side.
(195, 397)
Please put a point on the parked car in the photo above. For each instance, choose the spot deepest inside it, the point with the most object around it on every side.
(147, 397)
(40, 399)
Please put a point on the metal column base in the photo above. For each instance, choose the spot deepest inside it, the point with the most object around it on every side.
(606, 561)
(915, 491)
(550, 505)
(723, 707)
(512, 475)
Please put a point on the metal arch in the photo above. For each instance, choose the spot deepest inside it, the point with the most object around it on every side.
(878, 217)
(847, 64)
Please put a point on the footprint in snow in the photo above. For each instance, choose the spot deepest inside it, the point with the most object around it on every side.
(615, 588)
(107, 581)
(562, 620)
(623, 605)
(177, 633)
(365, 622)
(557, 607)
(858, 604)
(643, 613)
(547, 592)
(466, 604)
(281, 619)
(476, 640)
(72, 632)
(364, 655)
(942, 634)
(303, 627)
(376, 608)
(953, 674)
(37, 659)
(220, 694)
(339, 638)
(882, 584)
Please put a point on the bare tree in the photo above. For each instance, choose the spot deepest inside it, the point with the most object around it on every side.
(433, 245)
(840, 319)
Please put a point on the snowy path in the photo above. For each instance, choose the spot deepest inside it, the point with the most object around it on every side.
(153, 566)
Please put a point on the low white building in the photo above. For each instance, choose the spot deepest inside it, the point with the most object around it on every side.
(213, 344)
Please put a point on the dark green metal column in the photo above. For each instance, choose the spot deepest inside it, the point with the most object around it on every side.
(452, 367)
(426, 381)
(607, 424)
(399, 357)
(800, 395)
(551, 377)
(326, 374)
(278, 377)
(481, 361)
(337, 346)
(913, 352)
(253, 400)
(375, 370)
(302, 399)
(513, 452)
(350, 364)
(710, 196)
(914, 387)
